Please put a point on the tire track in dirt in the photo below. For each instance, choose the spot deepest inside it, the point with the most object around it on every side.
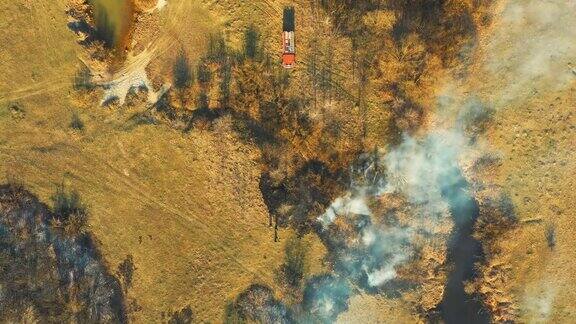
(135, 189)
(30, 91)
(186, 218)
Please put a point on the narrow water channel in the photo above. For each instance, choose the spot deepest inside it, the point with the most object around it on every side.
(464, 251)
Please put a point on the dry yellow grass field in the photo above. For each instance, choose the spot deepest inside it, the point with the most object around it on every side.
(186, 207)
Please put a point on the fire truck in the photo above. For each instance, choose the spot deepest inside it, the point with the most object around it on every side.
(288, 44)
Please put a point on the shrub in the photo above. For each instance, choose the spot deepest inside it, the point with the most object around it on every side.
(551, 236)
(251, 42)
(204, 74)
(83, 79)
(225, 78)
(126, 271)
(67, 204)
(16, 110)
(76, 122)
(68, 211)
(217, 51)
(183, 316)
(203, 101)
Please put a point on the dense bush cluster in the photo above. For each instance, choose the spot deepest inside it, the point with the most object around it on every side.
(69, 213)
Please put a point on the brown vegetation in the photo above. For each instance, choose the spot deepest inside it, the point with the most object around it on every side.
(496, 221)
(310, 125)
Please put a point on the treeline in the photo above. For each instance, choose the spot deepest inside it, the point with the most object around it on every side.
(308, 123)
(398, 47)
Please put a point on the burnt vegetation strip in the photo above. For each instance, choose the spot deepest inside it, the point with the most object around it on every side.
(50, 268)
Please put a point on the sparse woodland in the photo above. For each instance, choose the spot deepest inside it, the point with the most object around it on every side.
(367, 70)
(311, 124)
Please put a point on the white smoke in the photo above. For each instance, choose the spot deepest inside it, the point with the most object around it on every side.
(417, 170)
(420, 169)
(538, 306)
(348, 204)
(387, 272)
(380, 249)
(531, 49)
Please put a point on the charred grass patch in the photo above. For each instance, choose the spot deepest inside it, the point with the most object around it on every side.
(49, 274)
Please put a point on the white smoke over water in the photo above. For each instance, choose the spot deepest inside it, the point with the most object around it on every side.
(420, 169)
(343, 206)
(325, 297)
(531, 49)
(417, 169)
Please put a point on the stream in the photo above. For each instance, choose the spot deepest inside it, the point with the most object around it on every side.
(464, 251)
